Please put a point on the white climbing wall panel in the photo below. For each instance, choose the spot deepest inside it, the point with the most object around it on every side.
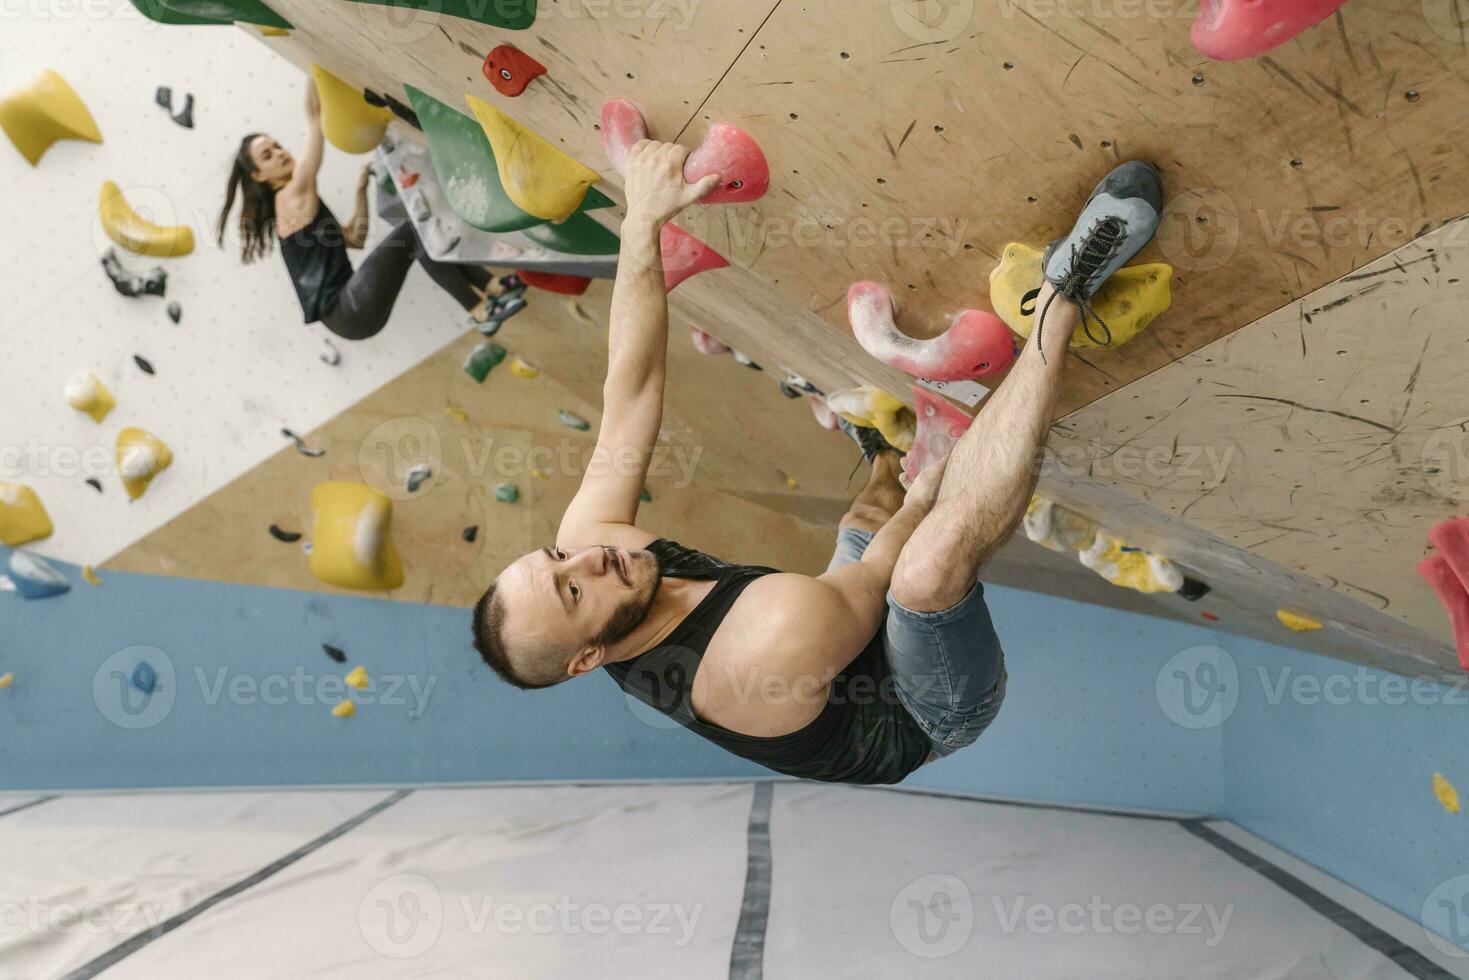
(241, 365)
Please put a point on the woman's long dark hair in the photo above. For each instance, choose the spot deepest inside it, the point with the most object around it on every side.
(257, 210)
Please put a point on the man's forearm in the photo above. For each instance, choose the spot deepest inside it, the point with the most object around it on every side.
(638, 327)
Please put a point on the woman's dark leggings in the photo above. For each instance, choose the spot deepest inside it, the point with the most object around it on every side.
(363, 308)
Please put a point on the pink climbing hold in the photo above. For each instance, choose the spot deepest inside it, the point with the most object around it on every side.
(825, 417)
(737, 159)
(940, 425)
(684, 256)
(726, 150)
(705, 344)
(1227, 30)
(1436, 570)
(623, 126)
(978, 344)
(1451, 538)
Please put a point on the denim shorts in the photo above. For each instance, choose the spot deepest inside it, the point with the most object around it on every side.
(948, 668)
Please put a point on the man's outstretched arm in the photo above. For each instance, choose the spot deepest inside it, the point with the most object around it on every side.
(632, 410)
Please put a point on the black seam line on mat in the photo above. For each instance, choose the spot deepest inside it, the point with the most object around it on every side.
(26, 806)
(747, 955)
(1408, 959)
(1027, 804)
(715, 87)
(131, 946)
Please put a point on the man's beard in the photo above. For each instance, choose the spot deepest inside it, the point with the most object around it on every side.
(630, 615)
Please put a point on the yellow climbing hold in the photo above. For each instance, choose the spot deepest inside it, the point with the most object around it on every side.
(141, 456)
(349, 121)
(352, 540)
(345, 709)
(274, 32)
(1297, 622)
(539, 475)
(873, 408)
(90, 575)
(137, 234)
(523, 369)
(45, 111)
(86, 394)
(541, 179)
(456, 413)
(1133, 298)
(1129, 567)
(23, 517)
(357, 678)
(1446, 793)
(6, 680)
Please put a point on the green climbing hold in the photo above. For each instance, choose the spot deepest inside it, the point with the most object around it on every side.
(645, 496)
(574, 421)
(510, 15)
(507, 493)
(577, 235)
(484, 359)
(465, 165)
(190, 12)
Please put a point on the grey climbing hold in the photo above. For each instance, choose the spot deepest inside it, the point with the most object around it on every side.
(95, 484)
(417, 476)
(185, 116)
(144, 365)
(154, 282)
(164, 97)
(175, 311)
(285, 537)
(331, 356)
(336, 654)
(470, 534)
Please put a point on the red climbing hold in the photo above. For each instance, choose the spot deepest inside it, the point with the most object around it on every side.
(940, 425)
(510, 70)
(623, 126)
(1451, 538)
(1436, 570)
(737, 159)
(1227, 30)
(555, 282)
(407, 178)
(977, 345)
(684, 256)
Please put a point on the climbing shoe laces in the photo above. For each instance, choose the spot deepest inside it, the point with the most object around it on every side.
(1087, 261)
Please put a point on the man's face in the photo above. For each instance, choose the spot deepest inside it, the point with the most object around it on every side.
(575, 600)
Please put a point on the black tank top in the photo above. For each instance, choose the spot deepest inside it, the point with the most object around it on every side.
(316, 257)
(863, 735)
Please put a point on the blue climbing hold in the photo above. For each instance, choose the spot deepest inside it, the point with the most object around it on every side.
(36, 578)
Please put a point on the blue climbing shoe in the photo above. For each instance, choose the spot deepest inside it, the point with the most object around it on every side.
(1119, 219)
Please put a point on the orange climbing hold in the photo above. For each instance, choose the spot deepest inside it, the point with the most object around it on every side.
(510, 70)
(1227, 30)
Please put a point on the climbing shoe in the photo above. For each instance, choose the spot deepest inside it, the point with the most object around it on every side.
(869, 440)
(1119, 219)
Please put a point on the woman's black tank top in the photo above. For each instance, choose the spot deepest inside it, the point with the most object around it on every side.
(316, 257)
(863, 735)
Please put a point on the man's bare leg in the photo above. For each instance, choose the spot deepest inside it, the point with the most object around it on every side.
(880, 499)
(991, 474)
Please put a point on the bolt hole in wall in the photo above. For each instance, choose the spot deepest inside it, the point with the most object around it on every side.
(239, 683)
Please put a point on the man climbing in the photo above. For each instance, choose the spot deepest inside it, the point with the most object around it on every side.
(864, 673)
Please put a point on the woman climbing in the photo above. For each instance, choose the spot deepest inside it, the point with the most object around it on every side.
(280, 200)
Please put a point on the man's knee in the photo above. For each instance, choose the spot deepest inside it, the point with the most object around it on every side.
(923, 584)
